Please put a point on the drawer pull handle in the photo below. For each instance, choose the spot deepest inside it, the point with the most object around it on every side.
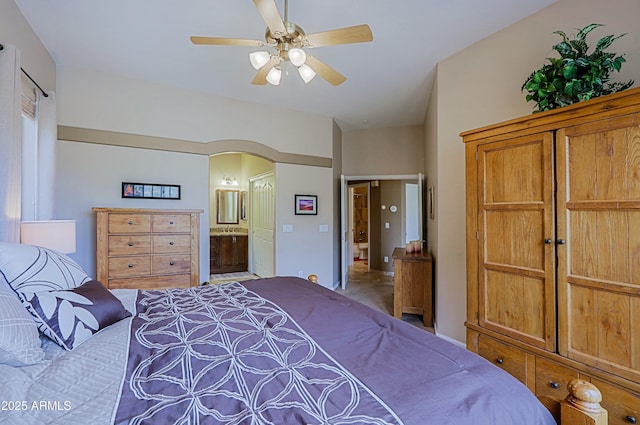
(171, 243)
(560, 242)
(171, 263)
(130, 265)
(499, 360)
(548, 241)
(130, 244)
(631, 419)
(130, 222)
(171, 222)
(554, 385)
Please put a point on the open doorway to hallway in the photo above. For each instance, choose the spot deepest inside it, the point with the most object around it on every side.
(394, 210)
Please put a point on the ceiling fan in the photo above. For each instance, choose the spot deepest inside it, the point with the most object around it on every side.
(289, 42)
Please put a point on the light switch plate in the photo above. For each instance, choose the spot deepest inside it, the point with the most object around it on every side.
(287, 228)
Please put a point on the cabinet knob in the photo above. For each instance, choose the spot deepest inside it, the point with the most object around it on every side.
(130, 244)
(548, 241)
(499, 360)
(560, 242)
(130, 265)
(171, 243)
(554, 385)
(171, 263)
(171, 222)
(631, 419)
(130, 222)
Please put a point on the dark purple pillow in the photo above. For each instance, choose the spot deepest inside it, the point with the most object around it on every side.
(72, 316)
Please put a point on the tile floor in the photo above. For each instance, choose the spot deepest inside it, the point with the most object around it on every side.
(375, 289)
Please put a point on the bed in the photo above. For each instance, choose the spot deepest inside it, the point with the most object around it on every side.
(268, 351)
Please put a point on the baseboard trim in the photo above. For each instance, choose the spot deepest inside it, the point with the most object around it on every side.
(451, 340)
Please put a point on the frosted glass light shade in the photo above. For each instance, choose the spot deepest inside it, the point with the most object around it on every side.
(58, 235)
(297, 56)
(274, 76)
(259, 59)
(306, 73)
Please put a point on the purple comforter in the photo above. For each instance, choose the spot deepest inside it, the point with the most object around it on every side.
(285, 351)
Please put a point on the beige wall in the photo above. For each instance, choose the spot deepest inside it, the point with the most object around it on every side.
(481, 85)
(384, 151)
(34, 58)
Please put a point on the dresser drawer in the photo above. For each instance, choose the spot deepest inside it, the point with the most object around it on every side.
(623, 406)
(129, 223)
(153, 282)
(551, 384)
(168, 223)
(129, 245)
(171, 243)
(510, 359)
(171, 263)
(129, 266)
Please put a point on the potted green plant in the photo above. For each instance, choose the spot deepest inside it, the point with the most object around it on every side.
(577, 75)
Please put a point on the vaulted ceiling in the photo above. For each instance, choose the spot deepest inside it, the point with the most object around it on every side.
(388, 80)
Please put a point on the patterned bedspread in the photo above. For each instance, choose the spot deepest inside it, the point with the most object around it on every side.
(224, 354)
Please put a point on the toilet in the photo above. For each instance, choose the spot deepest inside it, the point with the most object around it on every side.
(363, 249)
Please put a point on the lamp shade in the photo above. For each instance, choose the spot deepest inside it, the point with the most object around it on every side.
(259, 59)
(274, 76)
(58, 235)
(306, 73)
(297, 56)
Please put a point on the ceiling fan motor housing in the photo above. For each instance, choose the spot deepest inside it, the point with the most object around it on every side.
(293, 38)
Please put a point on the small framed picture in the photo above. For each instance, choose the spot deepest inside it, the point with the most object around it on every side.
(150, 191)
(306, 205)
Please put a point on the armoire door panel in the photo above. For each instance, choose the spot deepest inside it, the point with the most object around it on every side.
(515, 237)
(515, 222)
(598, 217)
(515, 305)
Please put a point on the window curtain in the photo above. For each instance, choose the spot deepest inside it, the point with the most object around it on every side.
(10, 144)
(47, 138)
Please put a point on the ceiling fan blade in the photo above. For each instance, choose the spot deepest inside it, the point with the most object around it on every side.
(261, 77)
(269, 12)
(325, 71)
(347, 35)
(223, 41)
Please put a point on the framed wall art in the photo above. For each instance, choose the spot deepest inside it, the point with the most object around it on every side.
(150, 191)
(306, 205)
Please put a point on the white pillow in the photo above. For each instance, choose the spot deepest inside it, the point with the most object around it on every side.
(19, 338)
(31, 269)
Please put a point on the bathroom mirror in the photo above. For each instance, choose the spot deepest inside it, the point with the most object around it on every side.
(227, 205)
(243, 205)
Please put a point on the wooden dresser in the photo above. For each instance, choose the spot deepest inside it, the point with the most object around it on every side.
(553, 249)
(412, 287)
(147, 248)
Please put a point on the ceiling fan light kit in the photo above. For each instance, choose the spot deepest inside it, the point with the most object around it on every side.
(289, 41)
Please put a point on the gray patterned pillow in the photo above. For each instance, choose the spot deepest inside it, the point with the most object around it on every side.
(19, 338)
(71, 316)
(31, 269)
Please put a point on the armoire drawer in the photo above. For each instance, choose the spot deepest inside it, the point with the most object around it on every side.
(623, 406)
(551, 384)
(506, 357)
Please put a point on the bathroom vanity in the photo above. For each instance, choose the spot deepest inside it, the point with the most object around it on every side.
(228, 252)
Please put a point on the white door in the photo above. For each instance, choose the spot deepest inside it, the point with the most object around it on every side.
(263, 224)
(412, 220)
